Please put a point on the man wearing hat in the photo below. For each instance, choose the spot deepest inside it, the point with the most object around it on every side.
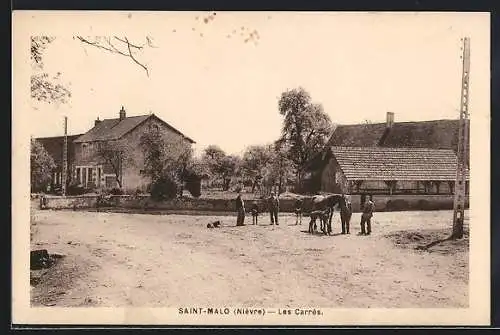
(240, 208)
(274, 206)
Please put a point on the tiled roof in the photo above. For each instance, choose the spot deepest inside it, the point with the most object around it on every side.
(434, 134)
(113, 129)
(438, 134)
(410, 164)
(55, 145)
(357, 135)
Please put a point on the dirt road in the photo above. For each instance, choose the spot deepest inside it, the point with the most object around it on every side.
(114, 259)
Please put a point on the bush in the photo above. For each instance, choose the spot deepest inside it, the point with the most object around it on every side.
(424, 205)
(397, 205)
(194, 187)
(165, 188)
(75, 189)
(115, 191)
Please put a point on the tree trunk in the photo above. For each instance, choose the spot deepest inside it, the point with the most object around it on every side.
(118, 181)
(458, 228)
(226, 183)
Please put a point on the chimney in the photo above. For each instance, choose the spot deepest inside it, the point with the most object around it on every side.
(122, 113)
(97, 121)
(390, 119)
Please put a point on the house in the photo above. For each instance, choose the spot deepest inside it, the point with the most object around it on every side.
(389, 171)
(387, 158)
(93, 169)
(54, 147)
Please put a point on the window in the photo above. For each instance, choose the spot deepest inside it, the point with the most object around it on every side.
(84, 149)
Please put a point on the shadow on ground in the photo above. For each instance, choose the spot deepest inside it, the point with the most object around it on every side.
(430, 241)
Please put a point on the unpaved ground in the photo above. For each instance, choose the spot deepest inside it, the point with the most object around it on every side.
(116, 259)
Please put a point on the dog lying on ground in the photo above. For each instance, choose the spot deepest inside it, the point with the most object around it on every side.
(215, 224)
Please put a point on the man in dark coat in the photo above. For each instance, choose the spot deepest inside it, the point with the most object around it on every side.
(298, 211)
(366, 217)
(274, 206)
(345, 214)
(240, 208)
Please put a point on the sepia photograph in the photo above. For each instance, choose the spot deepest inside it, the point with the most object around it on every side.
(251, 168)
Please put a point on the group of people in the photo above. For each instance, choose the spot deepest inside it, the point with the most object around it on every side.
(273, 207)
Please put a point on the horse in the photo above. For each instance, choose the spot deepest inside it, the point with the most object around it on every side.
(323, 216)
(324, 202)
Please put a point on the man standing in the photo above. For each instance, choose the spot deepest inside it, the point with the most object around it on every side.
(274, 208)
(298, 211)
(240, 208)
(366, 217)
(345, 213)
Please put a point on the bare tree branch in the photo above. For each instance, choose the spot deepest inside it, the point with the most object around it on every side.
(128, 42)
(133, 58)
(150, 42)
(111, 47)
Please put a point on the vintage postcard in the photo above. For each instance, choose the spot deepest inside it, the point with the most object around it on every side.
(251, 168)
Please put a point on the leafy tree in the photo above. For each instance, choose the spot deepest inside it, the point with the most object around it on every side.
(41, 164)
(306, 127)
(227, 169)
(212, 159)
(115, 154)
(44, 87)
(194, 172)
(282, 167)
(255, 159)
(213, 154)
(166, 158)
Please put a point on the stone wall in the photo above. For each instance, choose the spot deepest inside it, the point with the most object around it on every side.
(385, 203)
(382, 203)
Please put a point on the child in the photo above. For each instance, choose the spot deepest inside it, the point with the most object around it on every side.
(366, 217)
(255, 212)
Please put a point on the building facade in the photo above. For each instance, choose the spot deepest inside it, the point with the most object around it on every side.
(109, 155)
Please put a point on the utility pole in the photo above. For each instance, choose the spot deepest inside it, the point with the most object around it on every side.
(462, 152)
(64, 180)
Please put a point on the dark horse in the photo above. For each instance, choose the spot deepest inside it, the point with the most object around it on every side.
(327, 203)
(323, 217)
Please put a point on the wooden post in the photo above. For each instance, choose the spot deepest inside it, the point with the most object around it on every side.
(64, 178)
(462, 154)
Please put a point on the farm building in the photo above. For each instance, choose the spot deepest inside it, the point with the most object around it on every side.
(387, 158)
(434, 134)
(389, 171)
(96, 158)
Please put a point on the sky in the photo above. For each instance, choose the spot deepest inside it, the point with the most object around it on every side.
(215, 87)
